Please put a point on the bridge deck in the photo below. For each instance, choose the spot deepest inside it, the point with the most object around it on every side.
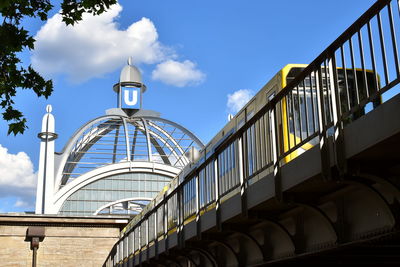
(371, 143)
(277, 202)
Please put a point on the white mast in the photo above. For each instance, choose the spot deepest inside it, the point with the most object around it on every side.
(45, 185)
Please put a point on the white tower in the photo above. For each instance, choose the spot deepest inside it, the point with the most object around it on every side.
(45, 185)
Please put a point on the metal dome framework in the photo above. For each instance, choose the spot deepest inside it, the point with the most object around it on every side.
(124, 206)
(111, 184)
(112, 139)
(114, 163)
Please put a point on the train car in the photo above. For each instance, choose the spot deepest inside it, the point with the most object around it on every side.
(298, 114)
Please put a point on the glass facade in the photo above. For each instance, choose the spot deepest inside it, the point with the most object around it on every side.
(88, 199)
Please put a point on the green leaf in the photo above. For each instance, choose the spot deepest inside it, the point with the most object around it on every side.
(14, 39)
(17, 127)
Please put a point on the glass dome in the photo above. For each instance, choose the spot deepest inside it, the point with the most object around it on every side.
(113, 139)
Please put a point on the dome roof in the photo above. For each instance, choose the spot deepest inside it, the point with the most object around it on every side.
(113, 139)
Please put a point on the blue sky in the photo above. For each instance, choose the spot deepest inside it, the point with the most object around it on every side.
(193, 56)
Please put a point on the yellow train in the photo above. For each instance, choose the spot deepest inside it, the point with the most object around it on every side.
(298, 111)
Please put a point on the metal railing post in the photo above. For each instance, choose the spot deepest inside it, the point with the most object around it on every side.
(323, 140)
(239, 161)
(275, 153)
(217, 204)
(339, 145)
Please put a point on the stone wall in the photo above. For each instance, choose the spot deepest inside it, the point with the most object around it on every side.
(65, 244)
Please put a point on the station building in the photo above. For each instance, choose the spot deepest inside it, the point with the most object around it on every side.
(114, 164)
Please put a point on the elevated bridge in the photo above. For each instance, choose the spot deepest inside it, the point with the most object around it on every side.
(312, 176)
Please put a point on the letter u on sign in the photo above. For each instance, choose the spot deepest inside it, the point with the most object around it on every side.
(130, 97)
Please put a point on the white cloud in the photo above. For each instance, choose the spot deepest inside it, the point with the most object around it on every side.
(17, 177)
(238, 99)
(178, 73)
(20, 203)
(95, 46)
(160, 159)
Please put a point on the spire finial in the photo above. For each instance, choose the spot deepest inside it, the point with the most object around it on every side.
(130, 61)
(49, 108)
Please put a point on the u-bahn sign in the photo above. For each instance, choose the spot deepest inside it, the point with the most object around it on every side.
(130, 97)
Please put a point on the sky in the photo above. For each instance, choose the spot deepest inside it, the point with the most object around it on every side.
(200, 60)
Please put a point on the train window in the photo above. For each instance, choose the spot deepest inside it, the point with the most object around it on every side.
(202, 187)
(227, 171)
(293, 72)
(125, 247)
(250, 144)
(152, 226)
(119, 251)
(172, 211)
(189, 198)
(350, 96)
(143, 233)
(261, 155)
(301, 109)
(206, 185)
(130, 243)
(271, 96)
(249, 114)
(210, 183)
(240, 119)
(160, 220)
(250, 110)
(136, 238)
(301, 103)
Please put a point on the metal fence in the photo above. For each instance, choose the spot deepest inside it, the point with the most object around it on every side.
(343, 83)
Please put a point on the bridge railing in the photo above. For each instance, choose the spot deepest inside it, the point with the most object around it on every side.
(344, 82)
